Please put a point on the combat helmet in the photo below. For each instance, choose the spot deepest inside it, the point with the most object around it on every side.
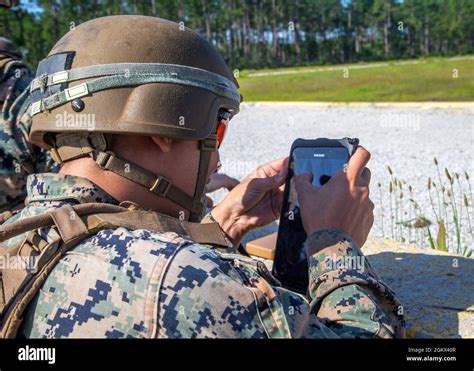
(8, 49)
(137, 75)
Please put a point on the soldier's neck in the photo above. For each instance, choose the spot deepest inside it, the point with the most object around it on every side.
(121, 189)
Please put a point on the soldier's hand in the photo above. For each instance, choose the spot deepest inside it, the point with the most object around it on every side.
(254, 202)
(342, 203)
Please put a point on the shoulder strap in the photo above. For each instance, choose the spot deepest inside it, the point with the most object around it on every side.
(98, 216)
(35, 258)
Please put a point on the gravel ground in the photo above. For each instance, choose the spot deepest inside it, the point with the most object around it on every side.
(405, 138)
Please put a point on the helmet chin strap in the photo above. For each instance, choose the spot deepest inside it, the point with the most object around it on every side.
(71, 146)
(208, 146)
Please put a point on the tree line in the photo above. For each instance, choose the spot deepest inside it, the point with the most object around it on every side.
(270, 33)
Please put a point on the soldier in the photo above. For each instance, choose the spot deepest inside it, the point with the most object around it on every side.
(18, 157)
(136, 119)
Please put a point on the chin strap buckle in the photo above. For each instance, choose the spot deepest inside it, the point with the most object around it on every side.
(102, 159)
(161, 186)
(209, 143)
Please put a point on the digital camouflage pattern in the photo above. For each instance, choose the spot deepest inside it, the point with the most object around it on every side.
(15, 77)
(122, 283)
(18, 157)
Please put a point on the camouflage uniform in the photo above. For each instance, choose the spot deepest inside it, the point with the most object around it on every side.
(18, 157)
(135, 283)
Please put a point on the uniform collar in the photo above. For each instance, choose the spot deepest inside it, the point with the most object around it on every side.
(60, 187)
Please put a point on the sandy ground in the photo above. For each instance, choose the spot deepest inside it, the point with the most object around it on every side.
(406, 138)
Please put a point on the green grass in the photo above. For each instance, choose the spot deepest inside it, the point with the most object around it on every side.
(429, 79)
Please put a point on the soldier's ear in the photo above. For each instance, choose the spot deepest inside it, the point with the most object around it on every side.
(163, 143)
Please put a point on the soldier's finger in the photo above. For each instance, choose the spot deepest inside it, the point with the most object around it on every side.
(357, 163)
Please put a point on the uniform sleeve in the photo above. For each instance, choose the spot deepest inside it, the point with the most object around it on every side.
(213, 295)
(346, 293)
